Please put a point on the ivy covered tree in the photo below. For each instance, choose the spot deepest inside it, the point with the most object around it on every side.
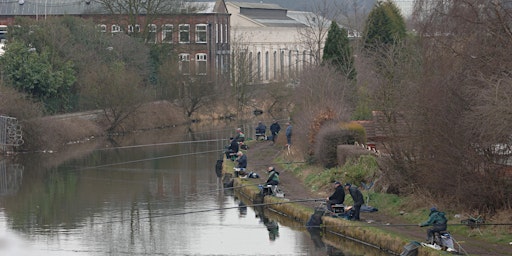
(384, 26)
(337, 51)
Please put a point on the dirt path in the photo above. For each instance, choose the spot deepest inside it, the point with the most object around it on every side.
(262, 154)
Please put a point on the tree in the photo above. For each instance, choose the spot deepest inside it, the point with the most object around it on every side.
(188, 91)
(145, 12)
(39, 74)
(384, 26)
(322, 95)
(242, 73)
(337, 51)
(116, 90)
(464, 116)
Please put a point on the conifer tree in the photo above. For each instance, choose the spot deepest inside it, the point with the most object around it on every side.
(337, 51)
(384, 26)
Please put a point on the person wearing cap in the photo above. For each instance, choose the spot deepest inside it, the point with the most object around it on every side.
(338, 197)
(273, 176)
(437, 220)
(240, 136)
(357, 196)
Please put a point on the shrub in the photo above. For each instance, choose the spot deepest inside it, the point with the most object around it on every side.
(328, 139)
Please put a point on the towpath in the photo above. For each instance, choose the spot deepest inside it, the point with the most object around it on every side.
(262, 154)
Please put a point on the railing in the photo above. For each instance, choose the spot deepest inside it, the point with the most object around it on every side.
(10, 133)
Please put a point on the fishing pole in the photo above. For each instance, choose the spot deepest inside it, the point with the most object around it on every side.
(160, 144)
(147, 159)
(213, 209)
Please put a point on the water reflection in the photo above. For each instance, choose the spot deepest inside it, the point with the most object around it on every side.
(160, 199)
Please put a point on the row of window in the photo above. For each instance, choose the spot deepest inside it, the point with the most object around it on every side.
(201, 61)
(168, 29)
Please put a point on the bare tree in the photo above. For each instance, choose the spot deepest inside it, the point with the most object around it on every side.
(116, 90)
(461, 116)
(347, 13)
(243, 73)
(136, 11)
(321, 92)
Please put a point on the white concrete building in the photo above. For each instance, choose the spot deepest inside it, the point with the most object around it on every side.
(271, 39)
(406, 7)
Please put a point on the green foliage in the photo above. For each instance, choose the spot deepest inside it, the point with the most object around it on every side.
(337, 51)
(362, 169)
(384, 26)
(357, 129)
(37, 73)
(363, 109)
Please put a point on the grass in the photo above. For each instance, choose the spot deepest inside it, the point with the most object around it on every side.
(410, 209)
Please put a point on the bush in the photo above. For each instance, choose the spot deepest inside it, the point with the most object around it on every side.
(327, 141)
(332, 135)
(361, 169)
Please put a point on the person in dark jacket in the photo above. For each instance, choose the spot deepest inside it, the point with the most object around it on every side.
(241, 160)
(232, 149)
(274, 130)
(288, 134)
(261, 129)
(273, 176)
(357, 196)
(338, 197)
(437, 220)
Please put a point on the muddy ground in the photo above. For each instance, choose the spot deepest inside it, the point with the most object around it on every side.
(262, 154)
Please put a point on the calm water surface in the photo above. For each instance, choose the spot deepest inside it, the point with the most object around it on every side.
(145, 194)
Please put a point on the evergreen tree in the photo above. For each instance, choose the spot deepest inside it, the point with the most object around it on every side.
(337, 51)
(384, 26)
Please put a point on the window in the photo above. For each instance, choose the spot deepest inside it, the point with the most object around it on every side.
(184, 64)
(102, 27)
(220, 33)
(226, 33)
(134, 28)
(251, 73)
(167, 33)
(217, 29)
(3, 32)
(184, 33)
(201, 63)
(201, 33)
(275, 65)
(267, 64)
(258, 68)
(115, 28)
(151, 33)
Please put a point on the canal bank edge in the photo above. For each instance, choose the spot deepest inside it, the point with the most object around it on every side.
(358, 231)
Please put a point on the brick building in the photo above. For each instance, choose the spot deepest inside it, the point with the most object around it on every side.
(199, 31)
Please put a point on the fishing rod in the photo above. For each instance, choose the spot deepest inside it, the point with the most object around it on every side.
(160, 144)
(147, 159)
(213, 209)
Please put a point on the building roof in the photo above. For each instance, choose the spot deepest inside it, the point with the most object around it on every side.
(76, 7)
(269, 15)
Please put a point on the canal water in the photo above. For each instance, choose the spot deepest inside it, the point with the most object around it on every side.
(151, 193)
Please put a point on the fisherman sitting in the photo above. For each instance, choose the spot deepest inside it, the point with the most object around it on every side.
(438, 222)
(261, 129)
(271, 184)
(338, 197)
